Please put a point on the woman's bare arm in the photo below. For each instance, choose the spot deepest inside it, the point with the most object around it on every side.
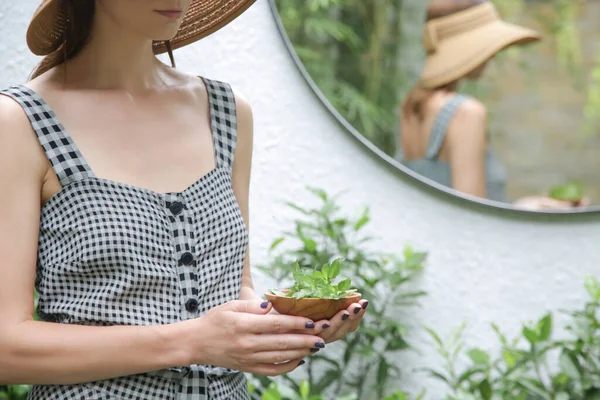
(466, 138)
(241, 181)
(41, 352)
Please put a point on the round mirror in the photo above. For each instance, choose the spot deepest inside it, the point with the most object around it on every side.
(494, 101)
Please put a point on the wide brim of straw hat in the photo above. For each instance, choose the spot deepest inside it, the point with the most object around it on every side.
(457, 56)
(46, 30)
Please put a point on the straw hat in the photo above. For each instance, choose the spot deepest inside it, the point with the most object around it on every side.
(459, 43)
(45, 32)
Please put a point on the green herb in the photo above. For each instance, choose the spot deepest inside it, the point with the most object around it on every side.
(572, 191)
(318, 283)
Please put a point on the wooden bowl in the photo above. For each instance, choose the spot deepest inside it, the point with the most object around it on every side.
(311, 308)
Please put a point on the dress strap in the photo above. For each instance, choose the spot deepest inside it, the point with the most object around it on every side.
(441, 124)
(223, 117)
(66, 159)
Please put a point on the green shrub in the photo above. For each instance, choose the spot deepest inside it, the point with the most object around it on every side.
(321, 235)
(533, 366)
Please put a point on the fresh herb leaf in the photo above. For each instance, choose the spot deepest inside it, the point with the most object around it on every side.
(344, 285)
(318, 283)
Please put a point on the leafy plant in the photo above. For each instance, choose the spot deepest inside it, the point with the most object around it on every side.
(572, 191)
(14, 392)
(533, 366)
(364, 363)
(277, 391)
(317, 283)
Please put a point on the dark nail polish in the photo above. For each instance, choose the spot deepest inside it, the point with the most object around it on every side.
(365, 305)
(345, 316)
(301, 362)
(310, 325)
(320, 345)
(264, 304)
(325, 326)
(357, 310)
(313, 350)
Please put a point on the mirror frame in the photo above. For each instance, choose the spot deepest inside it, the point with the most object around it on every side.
(394, 164)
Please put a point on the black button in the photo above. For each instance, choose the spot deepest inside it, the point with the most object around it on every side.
(187, 259)
(192, 305)
(176, 207)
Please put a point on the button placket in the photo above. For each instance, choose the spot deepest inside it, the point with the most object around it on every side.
(185, 260)
(176, 207)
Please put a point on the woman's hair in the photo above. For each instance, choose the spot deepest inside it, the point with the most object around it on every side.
(418, 96)
(79, 21)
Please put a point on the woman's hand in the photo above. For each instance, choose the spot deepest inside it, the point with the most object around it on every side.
(342, 323)
(239, 335)
(546, 203)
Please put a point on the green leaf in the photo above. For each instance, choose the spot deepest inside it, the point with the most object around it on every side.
(349, 352)
(479, 356)
(336, 268)
(544, 327)
(304, 389)
(382, 372)
(272, 393)
(530, 335)
(572, 191)
(310, 245)
(330, 377)
(534, 388)
(435, 336)
(344, 285)
(570, 365)
(510, 357)
(465, 376)
(322, 194)
(485, 389)
(276, 243)
(562, 396)
(362, 221)
(592, 287)
(298, 208)
(325, 272)
(438, 376)
(397, 343)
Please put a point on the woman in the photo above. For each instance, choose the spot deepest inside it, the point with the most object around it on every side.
(135, 207)
(443, 133)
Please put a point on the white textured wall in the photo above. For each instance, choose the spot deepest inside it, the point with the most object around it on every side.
(484, 266)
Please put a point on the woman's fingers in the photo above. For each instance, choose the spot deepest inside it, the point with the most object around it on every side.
(277, 357)
(274, 323)
(282, 342)
(276, 369)
(355, 322)
(344, 322)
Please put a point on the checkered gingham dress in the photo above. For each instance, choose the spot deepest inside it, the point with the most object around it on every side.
(115, 254)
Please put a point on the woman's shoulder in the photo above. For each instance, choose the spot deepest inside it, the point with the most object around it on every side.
(13, 118)
(197, 86)
(17, 138)
(469, 108)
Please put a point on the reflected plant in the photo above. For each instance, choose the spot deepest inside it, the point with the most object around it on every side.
(320, 235)
(533, 366)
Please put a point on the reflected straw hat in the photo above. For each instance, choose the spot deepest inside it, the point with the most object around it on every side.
(459, 43)
(46, 30)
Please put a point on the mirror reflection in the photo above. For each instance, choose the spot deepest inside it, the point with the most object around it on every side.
(495, 99)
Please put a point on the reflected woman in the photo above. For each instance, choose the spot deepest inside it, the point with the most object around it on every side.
(444, 133)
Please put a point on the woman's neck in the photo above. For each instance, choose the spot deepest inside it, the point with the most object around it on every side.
(115, 58)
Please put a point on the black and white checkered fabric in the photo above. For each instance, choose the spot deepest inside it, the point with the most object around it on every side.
(115, 254)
